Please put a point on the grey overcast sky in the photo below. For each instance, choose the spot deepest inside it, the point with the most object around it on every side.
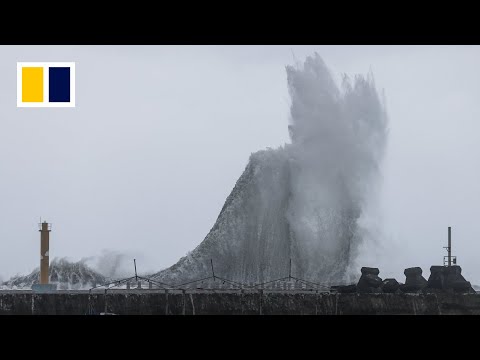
(160, 134)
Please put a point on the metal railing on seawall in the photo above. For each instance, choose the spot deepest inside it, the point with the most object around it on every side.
(214, 282)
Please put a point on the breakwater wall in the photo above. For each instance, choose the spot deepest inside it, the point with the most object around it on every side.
(220, 302)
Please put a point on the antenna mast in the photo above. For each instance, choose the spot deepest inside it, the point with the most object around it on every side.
(449, 259)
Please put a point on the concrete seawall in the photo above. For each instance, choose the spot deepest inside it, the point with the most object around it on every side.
(218, 302)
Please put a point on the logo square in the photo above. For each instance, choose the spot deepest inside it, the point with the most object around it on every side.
(45, 84)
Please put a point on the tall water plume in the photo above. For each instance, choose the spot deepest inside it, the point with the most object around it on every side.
(338, 140)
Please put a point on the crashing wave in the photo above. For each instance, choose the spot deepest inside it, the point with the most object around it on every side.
(302, 201)
(66, 274)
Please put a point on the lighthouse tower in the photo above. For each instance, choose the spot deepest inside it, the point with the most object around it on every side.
(44, 285)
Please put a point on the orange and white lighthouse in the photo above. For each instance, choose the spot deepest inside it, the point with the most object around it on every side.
(45, 229)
